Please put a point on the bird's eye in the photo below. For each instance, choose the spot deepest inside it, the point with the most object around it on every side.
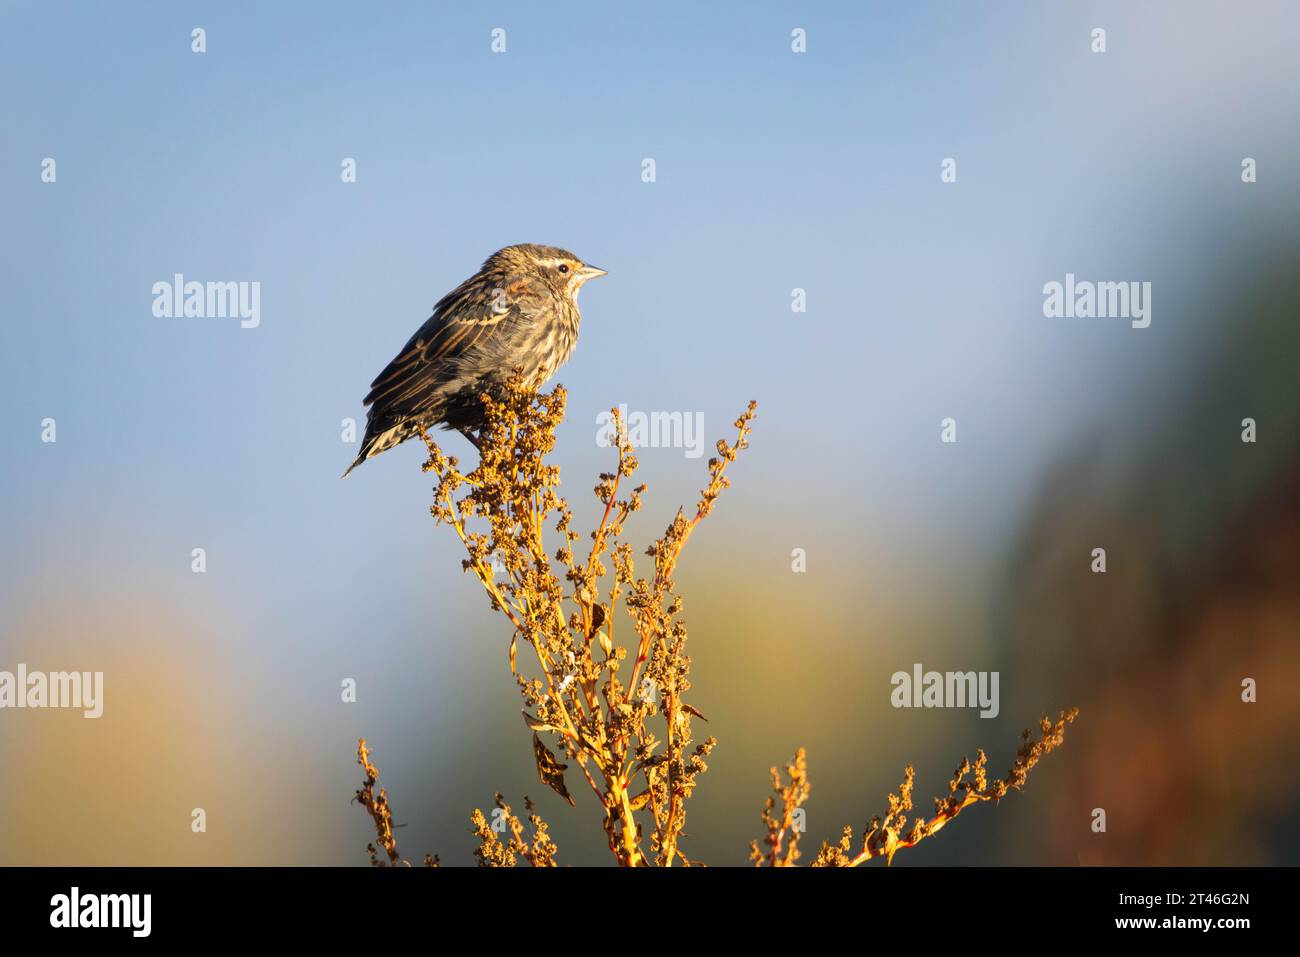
(564, 268)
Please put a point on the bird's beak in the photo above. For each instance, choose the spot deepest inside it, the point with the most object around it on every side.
(591, 272)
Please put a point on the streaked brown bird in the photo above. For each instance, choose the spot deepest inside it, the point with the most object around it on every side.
(519, 311)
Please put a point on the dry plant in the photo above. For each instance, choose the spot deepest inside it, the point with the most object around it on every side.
(884, 837)
(632, 738)
(380, 814)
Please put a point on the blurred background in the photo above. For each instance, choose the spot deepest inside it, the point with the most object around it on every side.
(775, 171)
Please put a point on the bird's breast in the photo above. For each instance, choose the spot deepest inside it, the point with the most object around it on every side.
(554, 343)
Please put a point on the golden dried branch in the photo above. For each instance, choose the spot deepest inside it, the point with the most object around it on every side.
(884, 837)
(628, 737)
(564, 608)
(538, 850)
(791, 797)
(381, 815)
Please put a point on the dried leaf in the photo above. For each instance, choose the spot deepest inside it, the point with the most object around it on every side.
(537, 724)
(551, 771)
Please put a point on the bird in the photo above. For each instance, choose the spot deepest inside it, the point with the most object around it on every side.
(519, 311)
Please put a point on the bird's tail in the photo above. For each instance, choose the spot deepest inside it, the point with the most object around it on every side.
(376, 442)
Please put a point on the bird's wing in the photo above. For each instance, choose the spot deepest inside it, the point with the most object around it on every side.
(467, 316)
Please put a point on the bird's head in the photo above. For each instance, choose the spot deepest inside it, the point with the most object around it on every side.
(558, 268)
